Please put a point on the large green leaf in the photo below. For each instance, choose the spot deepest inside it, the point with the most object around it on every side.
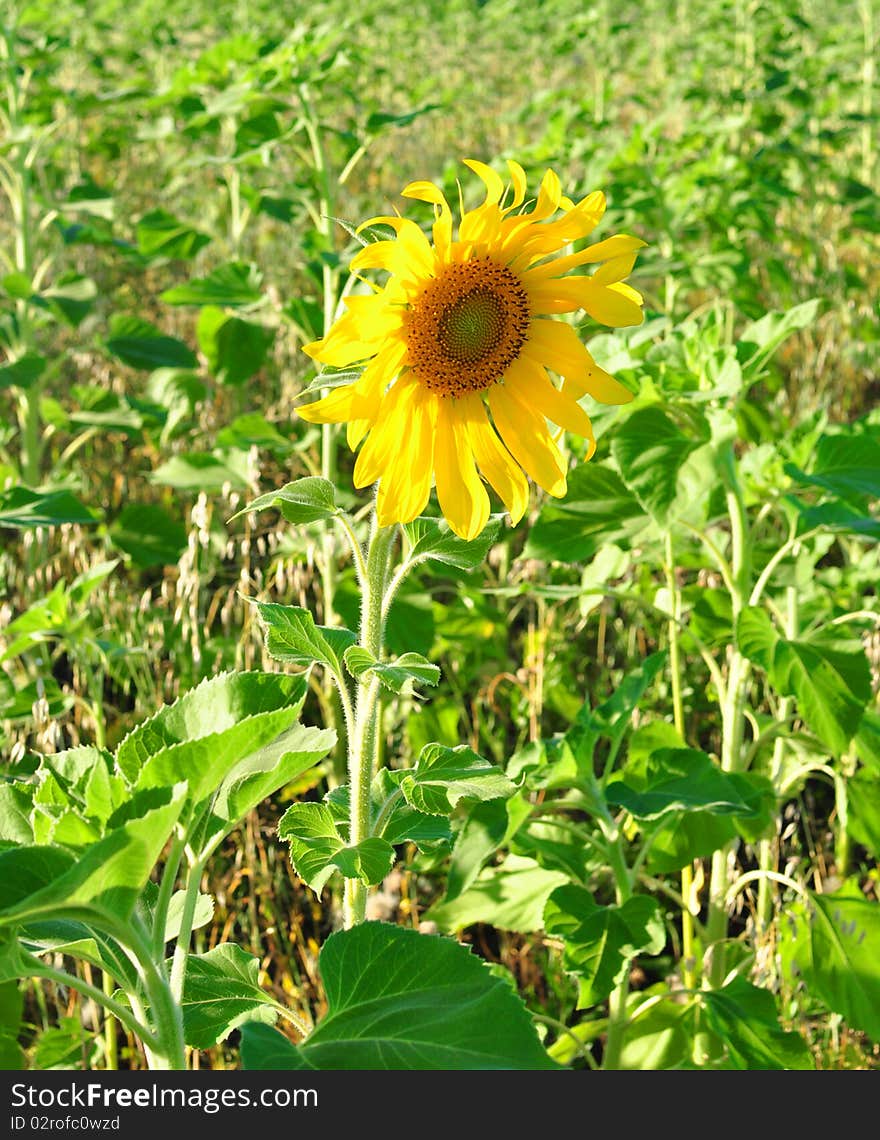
(863, 797)
(141, 345)
(402, 1000)
(23, 509)
(685, 836)
(832, 683)
(160, 234)
(205, 762)
(148, 534)
(443, 776)
(108, 876)
(597, 510)
(317, 849)
(759, 340)
(221, 991)
(650, 450)
(660, 1038)
(205, 471)
(847, 465)
(432, 540)
(78, 940)
(511, 896)
(293, 637)
(261, 773)
(23, 372)
(11, 1004)
(679, 780)
(16, 801)
(234, 284)
(486, 828)
(601, 941)
(214, 707)
(235, 349)
(845, 967)
(394, 674)
(303, 501)
(745, 1018)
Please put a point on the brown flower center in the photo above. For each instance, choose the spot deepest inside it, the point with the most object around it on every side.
(466, 326)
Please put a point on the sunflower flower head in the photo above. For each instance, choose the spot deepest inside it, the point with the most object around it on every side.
(458, 344)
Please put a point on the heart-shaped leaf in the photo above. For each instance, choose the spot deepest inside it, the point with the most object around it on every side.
(317, 849)
(443, 776)
(402, 1000)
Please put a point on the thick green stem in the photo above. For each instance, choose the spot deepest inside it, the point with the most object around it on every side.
(40, 969)
(766, 852)
(184, 936)
(617, 1015)
(687, 876)
(363, 738)
(165, 1010)
(733, 722)
(111, 1041)
(166, 890)
(732, 752)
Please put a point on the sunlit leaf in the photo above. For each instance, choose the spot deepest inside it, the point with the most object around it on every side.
(389, 994)
(443, 776)
(511, 896)
(745, 1018)
(23, 509)
(303, 501)
(234, 284)
(394, 674)
(293, 637)
(221, 991)
(601, 941)
(317, 849)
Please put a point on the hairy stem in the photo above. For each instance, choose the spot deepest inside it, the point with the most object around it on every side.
(617, 1016)
(363, 738)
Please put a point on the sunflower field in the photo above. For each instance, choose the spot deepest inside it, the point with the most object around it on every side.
(439, 483)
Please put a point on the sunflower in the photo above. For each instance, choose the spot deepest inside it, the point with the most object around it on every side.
(457, 344)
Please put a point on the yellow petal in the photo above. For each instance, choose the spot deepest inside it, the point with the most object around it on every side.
(548, 196)
(518, 181)
(610, 248)
(405, 485)
(334, 408)
(442, 230)
(593, 204)
(494, 460)
(599, 384)
(526, 436)
(612, 305)
(616, 269)
(393, 220)
(369, 390)
(492, 181)
(481, 226)
(376, 255)
(558, 347)
(384, 438)
(460, 491)
(531, 385)
(625, 290)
